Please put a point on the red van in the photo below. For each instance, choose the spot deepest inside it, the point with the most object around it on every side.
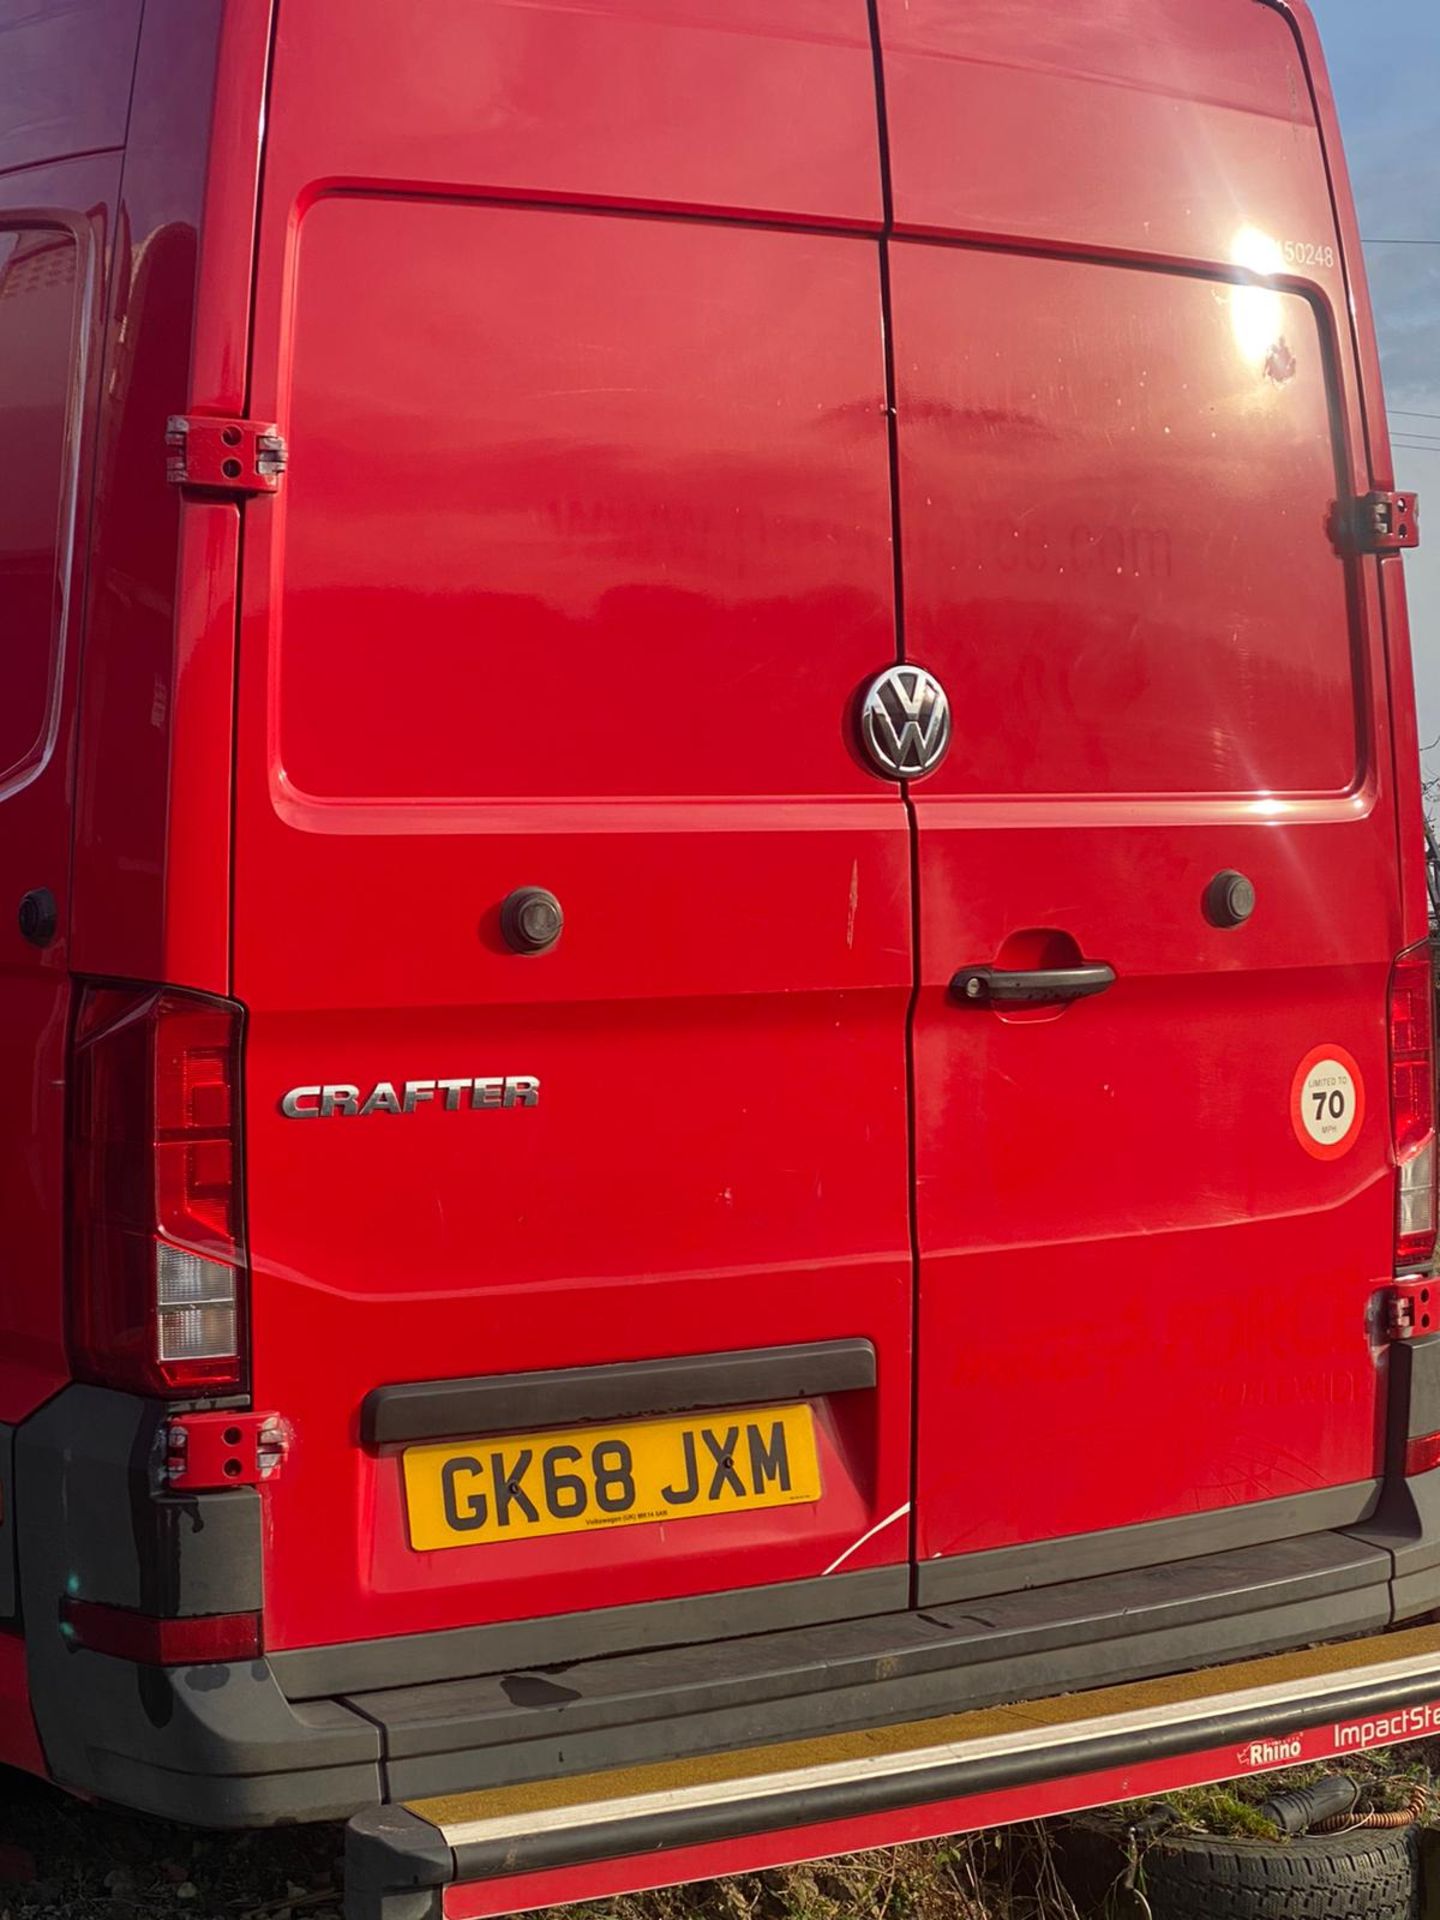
(712, 972)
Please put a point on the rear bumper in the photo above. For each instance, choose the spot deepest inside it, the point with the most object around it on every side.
(223, 1745)
(329, 1733)
(664, 1704)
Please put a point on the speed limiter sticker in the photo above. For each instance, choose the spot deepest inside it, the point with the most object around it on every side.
(1327, 1102)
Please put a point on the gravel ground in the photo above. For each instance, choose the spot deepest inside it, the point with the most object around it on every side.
(62, 1860)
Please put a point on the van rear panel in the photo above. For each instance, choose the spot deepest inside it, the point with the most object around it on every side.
(796, 1239)
(595, 622)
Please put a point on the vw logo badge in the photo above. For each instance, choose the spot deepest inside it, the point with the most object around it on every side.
(905, 722)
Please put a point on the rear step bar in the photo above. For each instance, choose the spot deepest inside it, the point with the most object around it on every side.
(599, 1835)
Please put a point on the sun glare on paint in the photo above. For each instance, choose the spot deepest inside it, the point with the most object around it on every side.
(1257, 313)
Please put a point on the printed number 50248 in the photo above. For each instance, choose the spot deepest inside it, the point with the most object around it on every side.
(1308, 253)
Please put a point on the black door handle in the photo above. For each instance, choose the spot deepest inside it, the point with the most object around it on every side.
(979, 986)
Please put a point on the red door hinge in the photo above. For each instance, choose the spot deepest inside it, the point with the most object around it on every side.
(223, 456)
(201, 1451)
(1412, 1309)
(1385, 522)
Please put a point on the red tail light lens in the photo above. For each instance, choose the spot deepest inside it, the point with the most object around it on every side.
(157, 1260)
(1412, 1099)
(127, 1635)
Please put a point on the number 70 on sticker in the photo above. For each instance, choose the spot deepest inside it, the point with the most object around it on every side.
(1327, 1102)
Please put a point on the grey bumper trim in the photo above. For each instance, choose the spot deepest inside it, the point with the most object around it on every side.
(1084, 1556)
(628, 1710)
(395, 1867)
(409, 1660)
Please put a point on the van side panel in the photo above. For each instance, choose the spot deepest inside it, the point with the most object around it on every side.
(65, 77)
(154, 781)
(65, 74)
(52, 241)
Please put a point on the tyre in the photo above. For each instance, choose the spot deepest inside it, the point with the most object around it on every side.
(1369, 1874)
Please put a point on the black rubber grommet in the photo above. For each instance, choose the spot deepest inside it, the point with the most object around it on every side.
(39, 916)
(1229, 899)
(531, 920)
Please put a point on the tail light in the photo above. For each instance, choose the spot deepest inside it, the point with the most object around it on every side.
(1412, 1100)
(157, 1274)
(152, 1642)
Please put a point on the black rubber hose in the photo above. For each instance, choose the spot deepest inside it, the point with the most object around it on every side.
(1332, 1798)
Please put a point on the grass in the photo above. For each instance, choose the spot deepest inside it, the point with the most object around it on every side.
(1232, 1808)
(1009, 1874)
(1221, 1810)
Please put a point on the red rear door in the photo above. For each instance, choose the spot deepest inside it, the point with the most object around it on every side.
(1147, 1254)
(581, 555)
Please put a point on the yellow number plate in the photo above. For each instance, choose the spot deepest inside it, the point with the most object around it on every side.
(469, 1493)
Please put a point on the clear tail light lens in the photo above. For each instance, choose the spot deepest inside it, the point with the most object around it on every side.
(157, 1270)
(1412, 1100)
(197, 1304)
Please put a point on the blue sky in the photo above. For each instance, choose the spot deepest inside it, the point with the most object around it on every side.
(1385, 68)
